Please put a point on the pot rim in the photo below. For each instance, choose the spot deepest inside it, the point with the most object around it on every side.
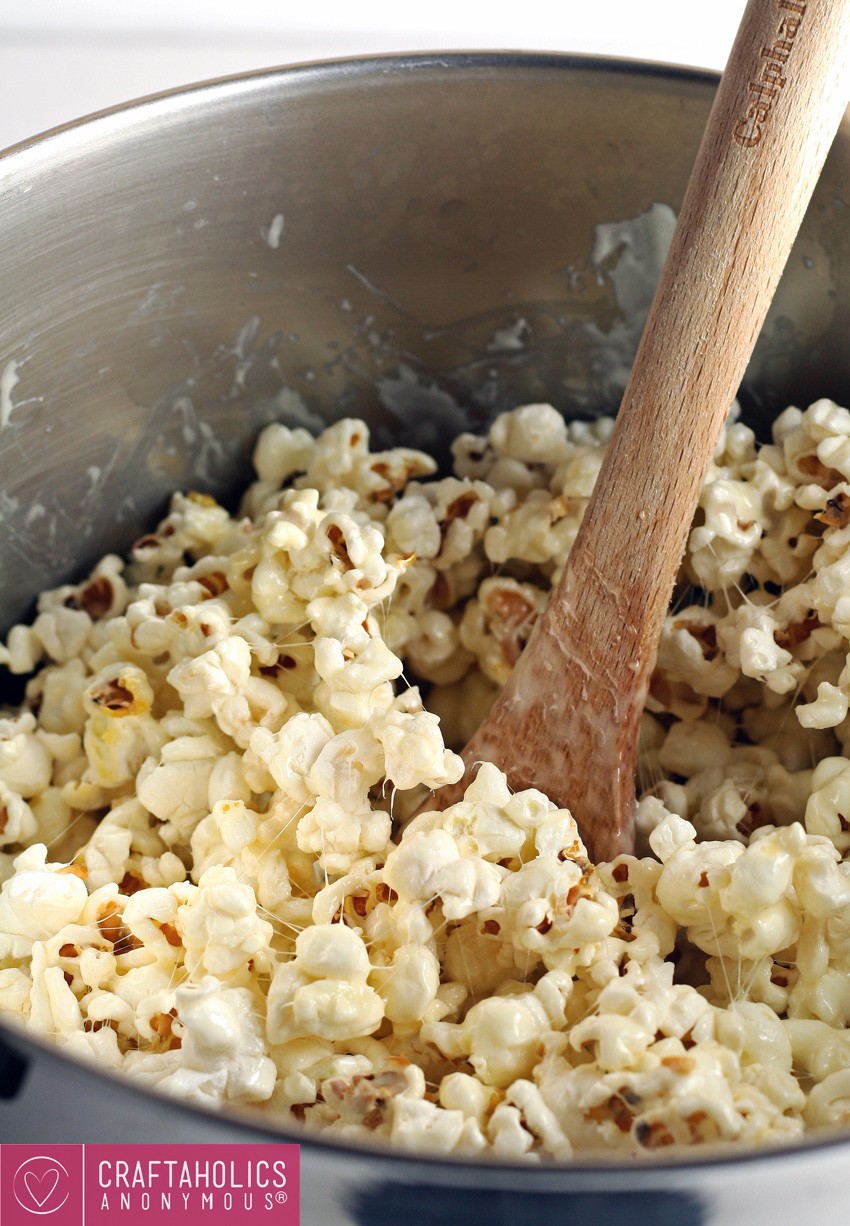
(179, 97)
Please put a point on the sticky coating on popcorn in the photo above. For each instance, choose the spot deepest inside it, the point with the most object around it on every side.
(212, 883)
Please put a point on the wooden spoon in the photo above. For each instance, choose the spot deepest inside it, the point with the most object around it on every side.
(567, 721)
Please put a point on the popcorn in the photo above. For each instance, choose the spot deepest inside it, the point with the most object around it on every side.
(409, 984)
(497, 624)
(53, 1006)
(220, 927)
(461, 513)
(552, 908)
(219, 683)
(37, 901)
(213, 880)
(236, 836)
(175, 787)
(195, 525)
(354, 687)
(829, 801)
(428, 866)
(22, 650)
(828, 1104)
(749, 641)
(120, 731)
(435, 651)
(25, 763)
(369, 1099)
(222, 1050)
(499, 1037)
(413, 746)
(62, 632)
(338, 837)
(59, 692)
(17, 821)
(323, 991)
(102, 596)
(419, 1125)
(688, 650)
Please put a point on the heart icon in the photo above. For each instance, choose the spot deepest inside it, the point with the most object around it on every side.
(41, 1187)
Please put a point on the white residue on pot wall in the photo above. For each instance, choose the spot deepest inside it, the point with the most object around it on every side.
(247, 337)
(244, 352)
(160, 299)
(512, 336)
(630, 255)
(636, 249)
(274, 232)
(9, 379)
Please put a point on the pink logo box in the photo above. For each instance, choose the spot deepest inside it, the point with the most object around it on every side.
(149, 1185)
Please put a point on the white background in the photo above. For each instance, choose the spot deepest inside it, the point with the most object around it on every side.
(60, 59)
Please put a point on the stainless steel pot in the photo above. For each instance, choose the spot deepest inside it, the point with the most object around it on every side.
(410, 239)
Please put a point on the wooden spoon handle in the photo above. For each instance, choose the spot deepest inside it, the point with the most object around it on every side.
(567, 721)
